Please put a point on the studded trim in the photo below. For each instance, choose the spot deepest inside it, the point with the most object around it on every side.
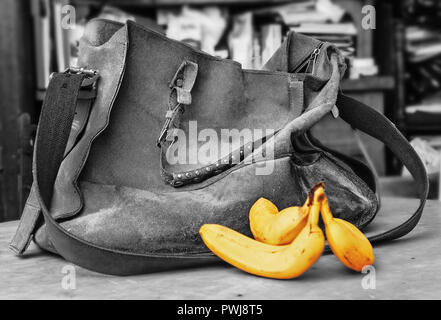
(178, 179)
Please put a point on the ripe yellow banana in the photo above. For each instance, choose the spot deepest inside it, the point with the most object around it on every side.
(270, 226)
(280, 262)
(347, 242)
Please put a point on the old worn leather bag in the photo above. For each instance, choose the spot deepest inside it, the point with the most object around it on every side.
(106, 195)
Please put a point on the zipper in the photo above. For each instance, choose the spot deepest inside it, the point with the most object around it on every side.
(309, 61)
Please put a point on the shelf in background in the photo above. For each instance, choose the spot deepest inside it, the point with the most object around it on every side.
(374, 83)
(423, 129)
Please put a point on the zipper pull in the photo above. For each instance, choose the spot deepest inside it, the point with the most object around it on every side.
(315, 54)
(313, 60)
(306, 64)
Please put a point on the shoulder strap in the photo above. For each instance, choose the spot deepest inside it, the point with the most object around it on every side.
(370, 121)
(31, 218)
(53, 131)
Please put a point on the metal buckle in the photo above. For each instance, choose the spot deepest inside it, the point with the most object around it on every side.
(90, 80)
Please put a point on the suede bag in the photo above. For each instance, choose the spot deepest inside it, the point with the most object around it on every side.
(106, 195)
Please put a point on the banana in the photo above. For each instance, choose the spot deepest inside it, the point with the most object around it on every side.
(347, 242)
(270, 226)
(279, 262)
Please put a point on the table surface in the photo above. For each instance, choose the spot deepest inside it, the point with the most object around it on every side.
(404, 268)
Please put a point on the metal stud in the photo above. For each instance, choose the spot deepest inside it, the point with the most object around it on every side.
(178, 183)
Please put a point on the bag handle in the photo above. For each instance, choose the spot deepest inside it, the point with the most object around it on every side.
(375, 124)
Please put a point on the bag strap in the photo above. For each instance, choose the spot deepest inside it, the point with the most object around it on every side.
(31, 218)
(373, 123)
(53, 131)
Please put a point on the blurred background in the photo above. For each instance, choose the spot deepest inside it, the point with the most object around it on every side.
(392, 48)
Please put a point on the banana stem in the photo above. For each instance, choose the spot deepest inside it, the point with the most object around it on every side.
(314, 214)
(307, 202)
(326, 211)
(316, 205)
(310, 199)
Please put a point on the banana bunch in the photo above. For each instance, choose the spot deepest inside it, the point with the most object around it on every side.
(273, 261)
(270, 226)
(288, 242)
